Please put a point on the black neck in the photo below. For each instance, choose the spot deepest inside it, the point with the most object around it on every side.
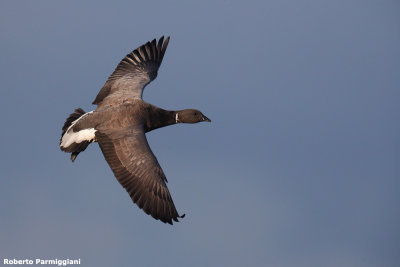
(161, 118)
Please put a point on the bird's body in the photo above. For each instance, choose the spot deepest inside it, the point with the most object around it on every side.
(119, 125)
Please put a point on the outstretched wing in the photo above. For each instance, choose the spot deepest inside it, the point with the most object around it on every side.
(137, 170)
(133, 73)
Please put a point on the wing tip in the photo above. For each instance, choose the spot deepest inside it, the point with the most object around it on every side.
(170, 220)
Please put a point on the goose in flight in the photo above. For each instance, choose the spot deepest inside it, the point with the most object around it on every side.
(119, 124)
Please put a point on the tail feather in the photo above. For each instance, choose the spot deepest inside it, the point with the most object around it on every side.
(72, 117)
(75, 148)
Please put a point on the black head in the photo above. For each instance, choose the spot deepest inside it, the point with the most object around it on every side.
(191, 116)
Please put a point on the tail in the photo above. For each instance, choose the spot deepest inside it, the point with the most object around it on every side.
(74, 148)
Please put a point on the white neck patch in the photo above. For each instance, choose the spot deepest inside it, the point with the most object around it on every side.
(177, 118)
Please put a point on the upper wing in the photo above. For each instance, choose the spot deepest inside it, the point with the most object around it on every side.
(137, 170)
(133, 73)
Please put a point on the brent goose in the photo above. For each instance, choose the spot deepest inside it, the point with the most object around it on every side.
(119, 124)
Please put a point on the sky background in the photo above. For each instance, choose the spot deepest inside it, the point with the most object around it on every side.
(299, 167)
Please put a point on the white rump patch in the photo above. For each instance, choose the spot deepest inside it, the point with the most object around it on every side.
(71, 137)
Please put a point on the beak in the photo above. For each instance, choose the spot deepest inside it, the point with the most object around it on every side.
(205, 119)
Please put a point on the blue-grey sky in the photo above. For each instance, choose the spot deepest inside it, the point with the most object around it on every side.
(299, 167)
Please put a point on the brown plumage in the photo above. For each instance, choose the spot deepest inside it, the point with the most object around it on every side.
(119, 125)
(133, 73)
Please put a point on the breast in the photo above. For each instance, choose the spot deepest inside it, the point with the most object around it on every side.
(124, 115)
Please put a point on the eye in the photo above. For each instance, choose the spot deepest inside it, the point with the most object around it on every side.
(196, 113)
